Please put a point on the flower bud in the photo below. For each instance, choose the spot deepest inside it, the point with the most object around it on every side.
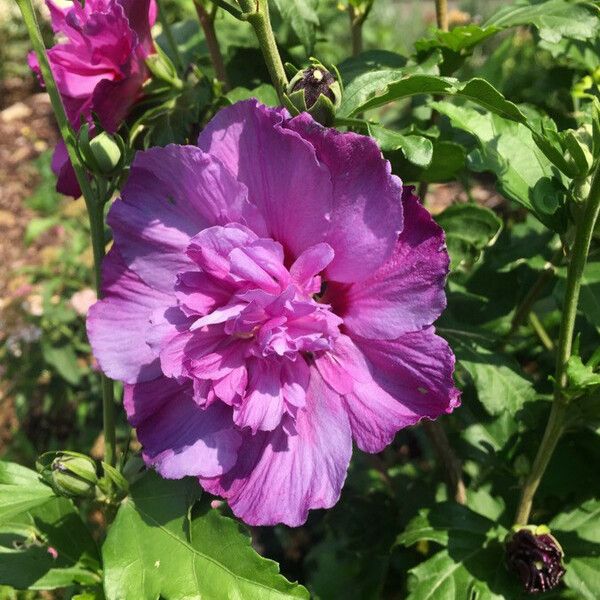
(315, 90)
(160, 65)
(73, 474)
(536, 558)
(102, 154)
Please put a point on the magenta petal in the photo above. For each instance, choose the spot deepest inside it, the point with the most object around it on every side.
(172, 193)
(67, 183)
(279, 477)
(118, 324)
(412, 379)
(407, 293)
(287, 184)
(184, 439)
(367, 210)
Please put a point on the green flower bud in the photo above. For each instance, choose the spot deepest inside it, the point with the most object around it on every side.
(160, 65)
(315, 90)
(102, 154)
(73, 474)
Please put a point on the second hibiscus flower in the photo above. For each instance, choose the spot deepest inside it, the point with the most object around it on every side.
(269, 298)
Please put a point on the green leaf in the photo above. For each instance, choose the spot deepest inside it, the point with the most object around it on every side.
(377, 88)
(472, 562)
(500, 386)
(20, 490)
(469, 229)
(415, 148)
(26, 561)
(447, 159)
(32, 519)
(157, 548)
(459, 39)
(64, 361)
(508, 150)
(578, 532)
(581, 378)
(265, 93)
(554, 19)
(371, 60)
(303, 19)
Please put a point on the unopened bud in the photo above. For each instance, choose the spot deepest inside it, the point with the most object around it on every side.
(536, 557)
(102, 154)
(315, 90)
(72, 474)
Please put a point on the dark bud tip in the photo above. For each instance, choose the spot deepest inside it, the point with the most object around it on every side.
(315, 81)
(536, 557)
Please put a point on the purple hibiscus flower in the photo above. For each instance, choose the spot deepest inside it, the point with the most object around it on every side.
(269, 298)
(99, 66)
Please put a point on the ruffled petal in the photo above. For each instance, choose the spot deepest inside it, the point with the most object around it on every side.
(172, 193)
(118, 324)
(367, 210)
(287, 184)
(279, 477)
(411, 379)
(407, 293)
(182, 438)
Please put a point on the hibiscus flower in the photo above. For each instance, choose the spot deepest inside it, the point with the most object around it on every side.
(269, 298)
(99, 66)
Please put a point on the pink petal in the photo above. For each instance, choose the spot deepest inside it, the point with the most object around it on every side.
(411, 379)
(287, 184)
(405, 294)
(279, 477)
(367, 210)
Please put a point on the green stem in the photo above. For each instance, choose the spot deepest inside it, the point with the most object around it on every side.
(210, 35)
(556, 422)
(537, 326)
(355, 30)
(441, 13)
(93, 203)
(256, 12)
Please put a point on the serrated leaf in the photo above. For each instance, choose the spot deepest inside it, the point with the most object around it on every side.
(578, 531)
(459, 39)
(377, 88)
(581, 378)
(469, 229)
(500, 387)
(554, 19)
(416, 149)
(508, 150)
(302, 18)
(472, 562)
(155, 548)
(264, 93)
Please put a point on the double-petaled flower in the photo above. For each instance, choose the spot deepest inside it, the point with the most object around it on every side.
(99, 66)
(269, 298)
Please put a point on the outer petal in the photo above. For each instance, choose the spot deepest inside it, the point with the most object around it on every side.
(291, 189)
(172, 193)
(61, 165)
(407, 293)
(181, 438)
(141, 15)
(118, 324)
(279, 477)
(411, 379)
(367, 211)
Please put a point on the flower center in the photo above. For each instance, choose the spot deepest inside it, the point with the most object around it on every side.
(256, 298)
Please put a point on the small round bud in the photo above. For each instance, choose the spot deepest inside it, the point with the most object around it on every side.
(102, 154)
(73, 474)
(315, 90)
(535, 556)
